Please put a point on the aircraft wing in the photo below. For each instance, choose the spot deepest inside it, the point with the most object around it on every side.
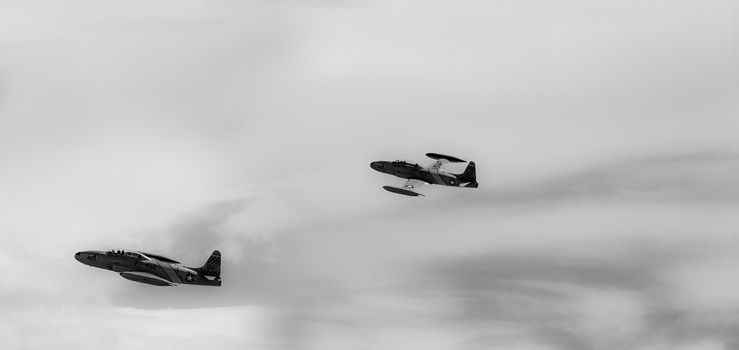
(442, 159)
(145, 277)
(409, 189)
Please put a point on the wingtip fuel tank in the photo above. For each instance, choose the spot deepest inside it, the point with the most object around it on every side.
(399, 190)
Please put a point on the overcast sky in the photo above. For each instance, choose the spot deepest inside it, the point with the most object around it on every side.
(606, 138)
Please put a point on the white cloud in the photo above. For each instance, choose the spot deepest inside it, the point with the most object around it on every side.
(180, 127)
(90, 327)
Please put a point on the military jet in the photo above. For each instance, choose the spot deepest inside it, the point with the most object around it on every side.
(154, 269)
(433, 174)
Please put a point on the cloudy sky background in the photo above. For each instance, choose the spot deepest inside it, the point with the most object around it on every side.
(605, 134)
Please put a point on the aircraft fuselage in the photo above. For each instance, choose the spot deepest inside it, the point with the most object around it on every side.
(146, 268)
(414, 171)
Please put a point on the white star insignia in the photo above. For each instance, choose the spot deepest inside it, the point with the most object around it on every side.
(189, 277)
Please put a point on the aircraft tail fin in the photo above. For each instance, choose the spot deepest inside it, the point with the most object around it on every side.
(212, 267)
(469, 175)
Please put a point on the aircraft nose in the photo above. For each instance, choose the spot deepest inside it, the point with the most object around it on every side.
(376, 165)
(85, 257)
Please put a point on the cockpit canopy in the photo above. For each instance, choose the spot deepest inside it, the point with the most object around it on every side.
(402, 162)
(141, 256)
(136, 255)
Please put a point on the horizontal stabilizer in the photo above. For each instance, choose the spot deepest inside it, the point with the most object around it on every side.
(402, 191)
(442, 156)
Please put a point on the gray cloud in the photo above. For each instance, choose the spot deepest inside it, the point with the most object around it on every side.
(687, 178)
(499, 289)
(202, 230)
(687, 325)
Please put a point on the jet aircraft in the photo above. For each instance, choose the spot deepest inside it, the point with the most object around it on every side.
(433, 174)
(154, 269)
